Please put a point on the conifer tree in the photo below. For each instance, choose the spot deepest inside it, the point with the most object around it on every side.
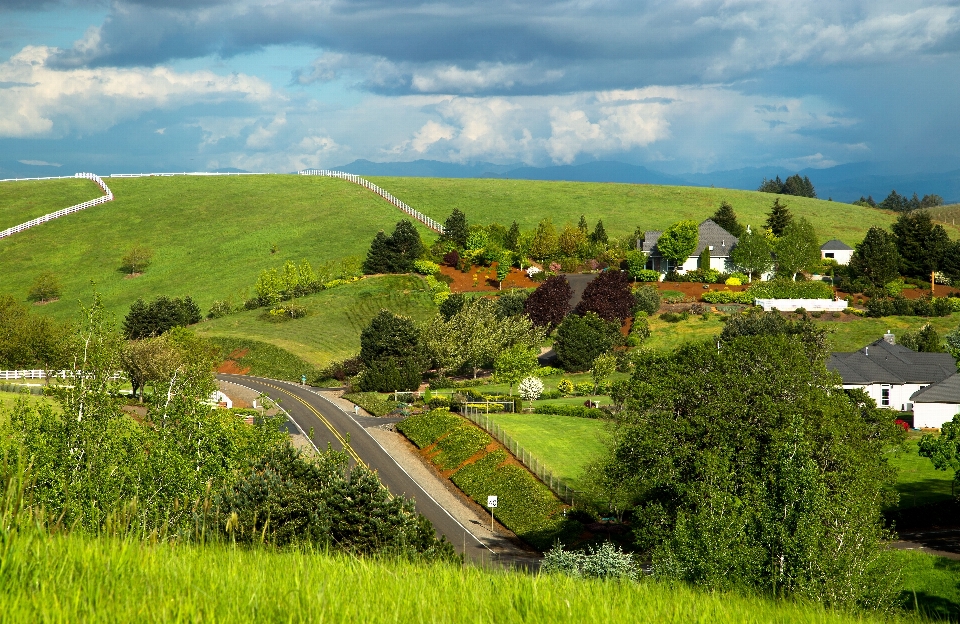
(778, 218)
(512, 237)
(599, 235)
(726, 218)
(582, 226)
(455, 228)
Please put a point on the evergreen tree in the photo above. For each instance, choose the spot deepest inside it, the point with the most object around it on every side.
(799, 187)
(922, 245)
(512, 238)
(925, 340)
(726, 218)
(778, 218)
(389, 336)
(407, 246)
(580, 339)
(876, 258)
(771, 186)
(381, 257)
(582, 226)
(455, 228)
(599, 235)
(931, 201)
(866, 201)
(895, 202)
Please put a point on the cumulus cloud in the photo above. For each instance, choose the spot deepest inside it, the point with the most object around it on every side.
(46, 102)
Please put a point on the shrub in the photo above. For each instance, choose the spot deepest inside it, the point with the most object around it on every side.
(343, 370)
(785, 289)
(580, 339)
(673, 317)
(578, 411)
(372, 402)
(159, 316)
(286, 312)
(425, 267)
(727, 296)
(530, 389)
(733, 281)
(583, 389)
(452, 258)
(219, 309)
(45, 287)
(565, 386)
(388, 374)
(459, 445)
(640, 329)
(646, 299)
(648, 275)
(606, 562)
(425, 429)
(549, 303)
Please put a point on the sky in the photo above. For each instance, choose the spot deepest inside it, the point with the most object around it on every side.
(679, 86)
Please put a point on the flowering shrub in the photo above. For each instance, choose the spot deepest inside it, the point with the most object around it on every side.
(565, 386)
(733, 281)
(902, 423)
(425, 267)
(530, 389)
(555, 267)
(531, 271)
(607, 561)
(648, 275)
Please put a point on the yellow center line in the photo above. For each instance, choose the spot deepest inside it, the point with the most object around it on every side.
(326, 422)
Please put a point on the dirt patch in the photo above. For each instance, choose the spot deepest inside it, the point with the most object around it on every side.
(238, 354)
(45, 301)
(232, 367)
(132, 275)
(486, 279)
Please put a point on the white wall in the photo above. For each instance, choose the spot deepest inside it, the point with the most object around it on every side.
(899, 395)
(842, 256)
(810, 305)
(933, 415)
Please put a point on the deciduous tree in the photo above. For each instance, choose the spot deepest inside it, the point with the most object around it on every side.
(798, 249)
(753, 254)
(609, 296)
(45, 287)
(550, 302)
(679, 241)
(136, 260)
(514, 364)
(876, 258)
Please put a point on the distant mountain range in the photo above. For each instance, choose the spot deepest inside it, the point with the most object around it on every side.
(844, 183)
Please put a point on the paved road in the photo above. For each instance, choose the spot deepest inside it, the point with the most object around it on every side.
(331, 425)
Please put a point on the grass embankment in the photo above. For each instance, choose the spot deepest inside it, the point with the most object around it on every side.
(918, 482)
(480, 468)
(564, 444)
(69, 578)
(331, 329)
(22, 201)
(211, 236)
(622, 207)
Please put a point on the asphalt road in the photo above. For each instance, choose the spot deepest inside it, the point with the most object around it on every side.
(331, 425)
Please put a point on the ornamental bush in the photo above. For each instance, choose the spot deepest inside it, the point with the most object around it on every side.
(530, 389)
(580, 339)
(647, 275)
(565, 386)
(727, 296)
(425, 267)
(646, 299)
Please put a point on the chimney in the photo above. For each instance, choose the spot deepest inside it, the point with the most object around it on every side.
(889, 338)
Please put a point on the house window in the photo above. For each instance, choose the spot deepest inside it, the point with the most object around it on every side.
(828, 254)
(884, 396)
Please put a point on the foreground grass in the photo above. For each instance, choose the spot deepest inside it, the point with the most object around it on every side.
(335, 318)
(71, 578)
(564, 444)
(622, 207)
(22, 201)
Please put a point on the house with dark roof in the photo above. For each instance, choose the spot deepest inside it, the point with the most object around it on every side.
(836, 250)
(711, 236)
(937, 403)
(890, 373)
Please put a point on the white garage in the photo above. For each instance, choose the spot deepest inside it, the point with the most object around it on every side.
(936, 404)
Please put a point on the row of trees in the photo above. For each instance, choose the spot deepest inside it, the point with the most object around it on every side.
(793, 185)
(29, 340)
(900, 203)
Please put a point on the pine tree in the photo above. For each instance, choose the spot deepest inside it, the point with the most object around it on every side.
(381, 258)
(778, 218)
(599, 234)
(582, 226)
(406, 245)
(455, 228)
(513, 235)
(726, 218)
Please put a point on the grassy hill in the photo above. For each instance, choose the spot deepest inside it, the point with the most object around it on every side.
(67, 578)
(621, 206)
(23, 201)
(213, 235)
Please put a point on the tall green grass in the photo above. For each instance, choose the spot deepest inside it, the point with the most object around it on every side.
(71, 578)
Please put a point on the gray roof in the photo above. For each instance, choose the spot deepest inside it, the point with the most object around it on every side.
(710, 234)
(835, 245)
(946, 391)
(882, 362)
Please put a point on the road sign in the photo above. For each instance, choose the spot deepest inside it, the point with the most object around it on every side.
(491, 501)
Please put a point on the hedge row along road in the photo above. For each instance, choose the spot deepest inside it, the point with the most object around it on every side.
(331, 425)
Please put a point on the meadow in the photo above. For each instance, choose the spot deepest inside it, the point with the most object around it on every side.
(22, 201)
(69, 577)
(918, 482)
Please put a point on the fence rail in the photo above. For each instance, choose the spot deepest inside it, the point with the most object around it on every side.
(419, 216)
(43, 374)
(107, 196)
(557, 485)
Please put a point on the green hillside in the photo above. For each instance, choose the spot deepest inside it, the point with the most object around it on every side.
(213, 235)
(621, 206)
(23, 201)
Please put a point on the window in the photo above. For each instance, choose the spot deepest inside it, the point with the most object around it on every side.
(828, 254)
(884, 396)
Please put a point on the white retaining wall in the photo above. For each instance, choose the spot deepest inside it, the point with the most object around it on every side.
(108, 196)
(810, 305)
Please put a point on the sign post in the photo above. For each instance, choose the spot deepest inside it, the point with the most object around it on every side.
(491, 504)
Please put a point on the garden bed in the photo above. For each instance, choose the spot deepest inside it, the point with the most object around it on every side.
(487, 281)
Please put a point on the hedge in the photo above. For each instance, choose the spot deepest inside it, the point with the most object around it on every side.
(372, 402)
(424, 429)
(727, 296)
(899, 306)
(784, 289)
(578, 411)
(459, 445)
(524, 504)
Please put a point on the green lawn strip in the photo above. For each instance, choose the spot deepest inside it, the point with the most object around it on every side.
(335, 317)
(373, 402)
(425, 429)
(931, 585)
(23, 201)
(918, 482)
(622, 207)
(264, 360)
(460, 444)
(564, 444)
(75, 578)
(211, 237)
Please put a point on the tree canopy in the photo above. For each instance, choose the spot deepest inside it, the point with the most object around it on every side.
(726, 218)
(455, 228)
(159, 316)
(753, 254)
(550, 302)
(778, 218)
(876, 258)
(395, 253)
(609, 296)
(798, 249)
(679, 241)
(580, 339)
(921, 243)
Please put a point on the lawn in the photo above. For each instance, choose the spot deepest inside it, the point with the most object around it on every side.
(22, 201)
(918, 482)
(931, 585)
(211, 236)
(564, 444)
(335, 318)
(622, 207)
(71, 578)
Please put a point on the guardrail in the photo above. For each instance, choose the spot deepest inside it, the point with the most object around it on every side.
(419, 216)
(108, 196)
(557, 485)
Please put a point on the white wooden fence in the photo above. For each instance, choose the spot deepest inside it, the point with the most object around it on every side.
(108, 196)
(810, 305)
(43, 374)
(367, 184)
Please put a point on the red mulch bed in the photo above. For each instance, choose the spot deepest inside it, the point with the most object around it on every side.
(231, 365)
(463, 282)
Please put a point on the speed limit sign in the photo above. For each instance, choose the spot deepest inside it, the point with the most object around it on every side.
(491, 501)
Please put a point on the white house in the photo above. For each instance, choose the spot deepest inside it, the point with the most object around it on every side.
(892, 374)
(712, 236)
(937, 403)
(836, 250)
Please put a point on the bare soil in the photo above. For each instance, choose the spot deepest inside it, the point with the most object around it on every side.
(486, 279)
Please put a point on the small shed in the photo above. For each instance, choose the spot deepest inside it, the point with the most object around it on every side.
(836, 250)
(937, 403)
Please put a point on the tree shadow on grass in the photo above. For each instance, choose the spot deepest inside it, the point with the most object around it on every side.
(933, 606)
